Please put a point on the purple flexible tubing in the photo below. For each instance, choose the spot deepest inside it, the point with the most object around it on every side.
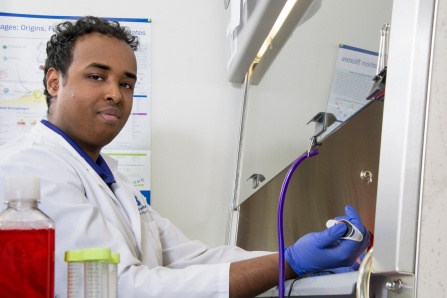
(282, 198)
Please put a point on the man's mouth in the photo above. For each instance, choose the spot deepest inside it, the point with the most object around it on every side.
(110, 115)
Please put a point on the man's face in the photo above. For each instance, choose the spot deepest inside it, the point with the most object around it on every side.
(93, 102)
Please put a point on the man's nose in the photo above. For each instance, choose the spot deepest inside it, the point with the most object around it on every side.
(113, 93)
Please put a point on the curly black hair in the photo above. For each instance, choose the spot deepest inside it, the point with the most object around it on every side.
(60, 46)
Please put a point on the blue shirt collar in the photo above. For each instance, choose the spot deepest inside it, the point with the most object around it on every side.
(100, 166)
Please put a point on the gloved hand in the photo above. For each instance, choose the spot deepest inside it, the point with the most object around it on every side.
(325, 250)
(352, 268)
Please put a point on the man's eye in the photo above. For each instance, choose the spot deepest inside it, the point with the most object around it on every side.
(95, 77)
(127, 85)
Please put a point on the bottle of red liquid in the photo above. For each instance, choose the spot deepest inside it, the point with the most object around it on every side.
(26, 242)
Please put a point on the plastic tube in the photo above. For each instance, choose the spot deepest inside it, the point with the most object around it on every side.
(96, 274)
(282, 197)
(113, 274)
(75, 274)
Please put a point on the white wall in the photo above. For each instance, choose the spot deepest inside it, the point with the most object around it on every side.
(433, 243)
(195, 110)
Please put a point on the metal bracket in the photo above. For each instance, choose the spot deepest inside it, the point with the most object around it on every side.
(322, 122)
(257, 178)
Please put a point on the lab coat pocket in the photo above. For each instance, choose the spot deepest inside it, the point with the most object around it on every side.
(151, 245)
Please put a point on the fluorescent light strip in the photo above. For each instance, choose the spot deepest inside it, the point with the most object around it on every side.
(279, 22)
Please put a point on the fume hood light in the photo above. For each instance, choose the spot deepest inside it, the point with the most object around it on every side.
(275, 29)
(263, 22)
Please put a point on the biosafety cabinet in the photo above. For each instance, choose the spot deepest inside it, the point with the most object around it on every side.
(387, 158)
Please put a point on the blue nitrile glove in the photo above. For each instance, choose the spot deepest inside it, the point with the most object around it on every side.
(352, 268)
(325, 250)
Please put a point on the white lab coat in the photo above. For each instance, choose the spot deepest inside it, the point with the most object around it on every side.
(87, 214)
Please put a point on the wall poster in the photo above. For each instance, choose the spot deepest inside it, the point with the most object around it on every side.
(23, 40)
(352, 81)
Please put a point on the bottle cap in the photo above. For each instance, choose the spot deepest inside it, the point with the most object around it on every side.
(73, 256)
(96, 254)
(22, 187)
(114, 258)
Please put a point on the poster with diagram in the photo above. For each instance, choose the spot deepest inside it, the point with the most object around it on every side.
(352, 81)
(23, 41)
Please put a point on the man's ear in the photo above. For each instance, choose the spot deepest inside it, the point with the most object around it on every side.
(52, 77)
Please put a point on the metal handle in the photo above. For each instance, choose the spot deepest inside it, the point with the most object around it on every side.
(362, 290)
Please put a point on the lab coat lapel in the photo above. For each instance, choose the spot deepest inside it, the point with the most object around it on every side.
(125, 198)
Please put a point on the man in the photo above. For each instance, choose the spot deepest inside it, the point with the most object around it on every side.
(90, 74)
